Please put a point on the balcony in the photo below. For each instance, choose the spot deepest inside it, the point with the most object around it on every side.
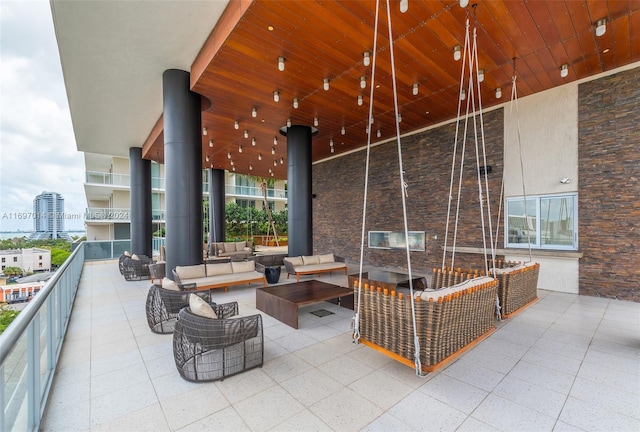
(104, 178)
(252, 192)
(565, 362)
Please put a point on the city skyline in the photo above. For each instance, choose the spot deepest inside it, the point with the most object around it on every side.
(37, 145)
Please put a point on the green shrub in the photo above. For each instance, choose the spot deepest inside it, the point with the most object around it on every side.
(7, 315)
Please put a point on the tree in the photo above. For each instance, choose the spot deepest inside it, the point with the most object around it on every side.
(59, 256)
(7, 315)
(12, 271)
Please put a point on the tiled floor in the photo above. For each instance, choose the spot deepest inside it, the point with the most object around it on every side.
(566, 363)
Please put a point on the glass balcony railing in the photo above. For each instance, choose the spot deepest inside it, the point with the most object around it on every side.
(30, 347)
(110, 214)
(105, 249)
(254, 192)
(104, 178)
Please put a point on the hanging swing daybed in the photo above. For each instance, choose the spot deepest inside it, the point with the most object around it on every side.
(442, 322)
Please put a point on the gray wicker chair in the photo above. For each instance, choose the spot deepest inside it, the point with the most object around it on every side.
(137, 269)
(162, 305)
(206, 349)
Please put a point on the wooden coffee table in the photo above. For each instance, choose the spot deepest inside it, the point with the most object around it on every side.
(282, 301)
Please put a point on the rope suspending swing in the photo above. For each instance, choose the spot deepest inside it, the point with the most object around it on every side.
(403, 186)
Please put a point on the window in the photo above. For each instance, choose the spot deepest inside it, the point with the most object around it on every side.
(15, 259)
(546, 221)
(39, 256)
(3, 259)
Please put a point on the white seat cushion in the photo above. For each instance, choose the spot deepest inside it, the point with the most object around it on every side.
(243, 266)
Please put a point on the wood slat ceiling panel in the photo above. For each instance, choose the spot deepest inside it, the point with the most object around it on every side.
(325, 39)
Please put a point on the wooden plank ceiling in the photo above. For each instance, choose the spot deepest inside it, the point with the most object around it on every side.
(327, 39)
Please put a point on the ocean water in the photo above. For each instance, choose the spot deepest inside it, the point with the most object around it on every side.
(4, 235)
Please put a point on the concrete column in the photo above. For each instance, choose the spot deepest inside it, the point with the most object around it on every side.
(216, 205)
(300, 215)
(141, 214)
(183, 170)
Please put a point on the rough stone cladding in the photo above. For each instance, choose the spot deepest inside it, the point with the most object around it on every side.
(427, 158)
(609, 185)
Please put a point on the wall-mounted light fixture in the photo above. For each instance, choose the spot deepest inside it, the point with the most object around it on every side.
(565, 180)
(457, 52)
(601, 27)
(564, 70)
(281, 63)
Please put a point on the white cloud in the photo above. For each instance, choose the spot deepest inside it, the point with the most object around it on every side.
(37, 146)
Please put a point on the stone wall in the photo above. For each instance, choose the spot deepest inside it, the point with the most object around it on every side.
(609, 175)
(338, 185)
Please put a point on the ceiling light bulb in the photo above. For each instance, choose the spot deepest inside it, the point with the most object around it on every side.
(210, 143)
(399, 118)
(481, 75)
(250, 167)
(253, 142)
(601, 27)
(463, 94)
(343, 130)
(270, 171)
(367, 58)
(281, 161)
(245, 134)
(404, 5)
(275, 162)
(228, 155)
(239, 149)
(378, 134)
(498, 93)
(273, 150)
(325, 85)
(204, 131)
(206, 158)
(254, 112)
(363, 82)
(315, 121)
(276, 96)
(415, 89)
(259, 156)
(331, 142)
(280, 64)
(457, 52)
(359, 99)
(332, 150)
(288, 123)
(464, 3)
(275, 140)
(564, 70)
(233, 168)
(231, 162)
(295, 103)
(236, 124)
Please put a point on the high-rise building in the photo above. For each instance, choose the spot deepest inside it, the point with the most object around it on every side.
(48, 217)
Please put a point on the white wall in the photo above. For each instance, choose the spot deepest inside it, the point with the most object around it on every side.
(548, 141)
(98, 232)
(120, 166)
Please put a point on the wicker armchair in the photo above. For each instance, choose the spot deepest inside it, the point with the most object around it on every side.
(162, 306)
(136, 269)
(208, 349)
(124, 256)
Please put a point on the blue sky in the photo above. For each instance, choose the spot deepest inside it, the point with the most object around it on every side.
(37, 146)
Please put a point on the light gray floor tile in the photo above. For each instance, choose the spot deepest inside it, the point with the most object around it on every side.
(226, 420)
(593, 417)
(381, 389)
(267, 409)
(295, 341)
(566, 427)
(303, 421)
(317, 354)
(474, 374)
(387, 423)
(117, 380)
(111, 406)
(285, 367)
(566, 350)
(608, 397)
(457, 394)
(345, 369)
(244, 385)
(491, 360)
(345, 410)
(311, 386)
(610, 376)
(557, 362)
(532, 396)
(149, 419)
(193, 405)
(474, 425)
(543, 376)
(623, 364)
(510, 416)
(422, 412)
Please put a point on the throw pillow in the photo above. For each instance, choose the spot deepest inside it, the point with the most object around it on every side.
(168, 284)
(135, 257)
(200, 307)
(243, 266)
(326, 258)
(127, 253)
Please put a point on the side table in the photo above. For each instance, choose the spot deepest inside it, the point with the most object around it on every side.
(272, 274)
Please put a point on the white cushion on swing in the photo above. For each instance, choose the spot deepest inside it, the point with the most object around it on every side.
(462, 286)
(498, 271)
